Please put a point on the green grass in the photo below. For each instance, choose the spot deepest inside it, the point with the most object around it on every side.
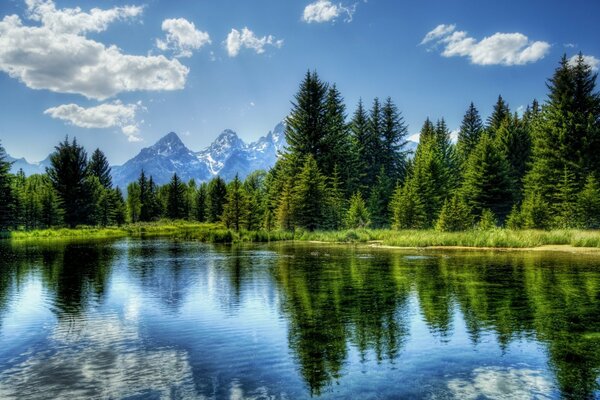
(216, 233)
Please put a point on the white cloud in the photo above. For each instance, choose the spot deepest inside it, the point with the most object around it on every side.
(325, 11)
(498, 49)
(592, 61)
(108, 115)
(237, 40)
(182, 37)
(57, 56)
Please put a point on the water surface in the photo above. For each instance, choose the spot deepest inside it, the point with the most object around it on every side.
(161, 318)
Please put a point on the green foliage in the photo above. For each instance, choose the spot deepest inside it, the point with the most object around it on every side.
(6, 193)
(454, 216)
(499, 114)
(535, 212)
(407, 208)
(470, 131)
(217, 197)
(336, 203)
(200, 203)
(68, 174)
(515, 220)
(564, 210)
(358, 215)
(487, 221)
(177, 200)
(235, 211)
(514, 143)
(98, 167)
(285, 210)
(486, 182)
(310, 197)
(588, 204)
(393, 140)
(379, 200)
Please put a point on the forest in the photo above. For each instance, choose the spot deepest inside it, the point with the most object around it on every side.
(532, 170)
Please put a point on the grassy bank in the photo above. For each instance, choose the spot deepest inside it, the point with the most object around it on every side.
(215, 233)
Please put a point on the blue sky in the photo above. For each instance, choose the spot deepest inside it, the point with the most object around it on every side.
(121, 76)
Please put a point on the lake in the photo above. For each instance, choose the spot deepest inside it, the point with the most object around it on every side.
(160, 318)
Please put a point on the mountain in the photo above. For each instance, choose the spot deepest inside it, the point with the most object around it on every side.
(27, 167)
(227, 156)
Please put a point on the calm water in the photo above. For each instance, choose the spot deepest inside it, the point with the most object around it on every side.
(168, 319)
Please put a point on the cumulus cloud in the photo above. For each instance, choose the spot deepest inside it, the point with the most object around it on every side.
(57, 56)
(499, 49)
(108, 115)
(237, 40)
(182, 37)
(325, 11)
(592, 61)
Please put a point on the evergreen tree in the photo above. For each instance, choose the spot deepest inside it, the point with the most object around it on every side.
(379, 200)
(358, 215)
(134, 203)
(588, 204)
(359, 127)
(119, 207)
(68, 173)
(454, 216)
(200, 205)
(217, 197)
(373, 145)
(487, 221)
(6, 194)
(177, 199)
(393, 140)
(150, 208)
(499, 114)
(486, 180)
(564, 215)
(254, 191)
(567, 131)
(307, 122)
(310, 196)
(407, 208)
(98, 167)
(336, 205)
(336, 141)
(51, 211)
(285, 210)
(470, 131)
(514, 142)
(535, 212)
(235, 210)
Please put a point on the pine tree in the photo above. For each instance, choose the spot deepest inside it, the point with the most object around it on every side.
(51, 211)
(98, 167)
(567, 131)
(588, 204)
(336, 205)
(200, 204)
(470, 131)
(499, 114)
(235, 210)
(336, 140)
(310, 196)
(119, 207)
(379, 200)
(487, 183)
(134, 203)
(68, 173)
(393, 140)
(359, 127)
(454, 216)
(407, 208)
(564, 215)
(357, 215)
(514, 142)
(307, 122)
(6, 194)
(254, 191)
(217, 197)
(285, 211)
(373, 145)
(177, 199)
(535, 212)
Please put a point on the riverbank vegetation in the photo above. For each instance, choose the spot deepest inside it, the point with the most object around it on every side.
(535, 171)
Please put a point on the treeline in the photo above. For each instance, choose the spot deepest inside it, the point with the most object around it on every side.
(535, 170)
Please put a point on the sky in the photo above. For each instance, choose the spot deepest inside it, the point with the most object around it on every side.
(119, 75)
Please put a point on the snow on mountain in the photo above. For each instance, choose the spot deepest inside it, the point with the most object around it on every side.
(227, 156)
